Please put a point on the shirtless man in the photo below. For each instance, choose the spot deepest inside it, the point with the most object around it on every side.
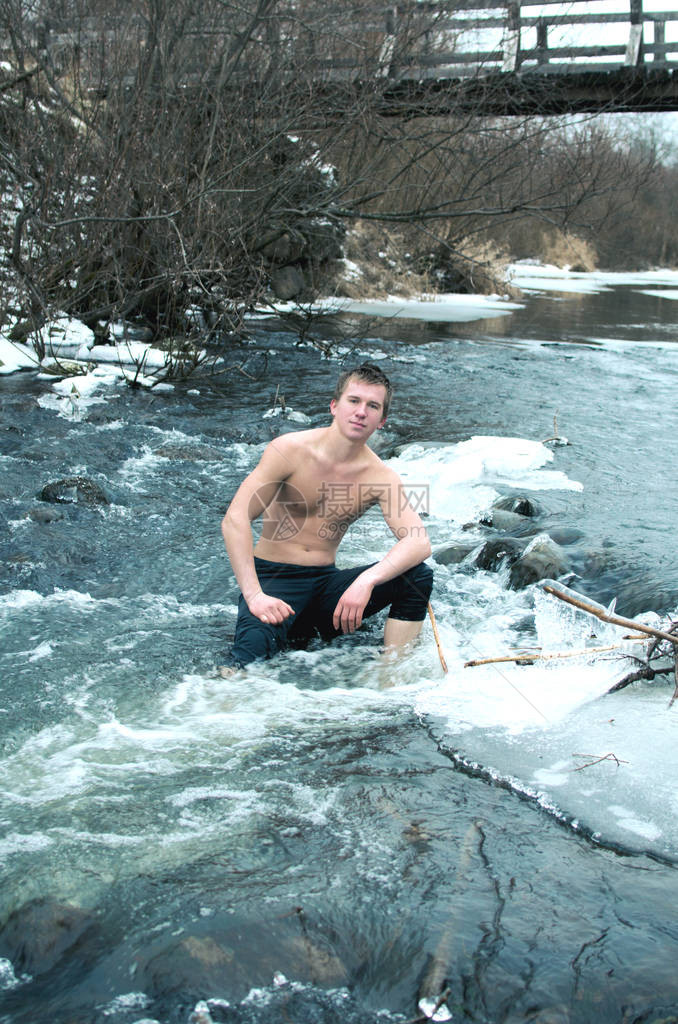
(309, 487)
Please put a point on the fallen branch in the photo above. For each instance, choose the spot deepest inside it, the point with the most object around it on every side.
(437, 638)
(529, 659)
(597, 760)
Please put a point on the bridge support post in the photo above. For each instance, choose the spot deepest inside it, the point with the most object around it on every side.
(542, 43)
(634, 47)
(511, 46)
(659, 39)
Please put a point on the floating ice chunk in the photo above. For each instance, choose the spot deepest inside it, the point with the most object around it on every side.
(668, 293)
(80, 386)
(288, 414)
(431, 1010)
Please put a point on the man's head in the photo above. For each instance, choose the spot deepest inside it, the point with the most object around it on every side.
(367, 373)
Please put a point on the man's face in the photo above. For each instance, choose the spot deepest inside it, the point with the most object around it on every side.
(360, 409)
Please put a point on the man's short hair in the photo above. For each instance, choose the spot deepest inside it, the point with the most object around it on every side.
(369, 373)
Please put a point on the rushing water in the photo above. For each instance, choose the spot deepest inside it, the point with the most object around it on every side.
(297, 844)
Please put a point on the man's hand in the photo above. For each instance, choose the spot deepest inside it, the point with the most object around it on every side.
(348, 615)
(272, 610)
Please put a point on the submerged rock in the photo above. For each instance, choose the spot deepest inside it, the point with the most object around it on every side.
(74, 489)
(38, 934)
(542, 559)
(452, 554)
(40, 514)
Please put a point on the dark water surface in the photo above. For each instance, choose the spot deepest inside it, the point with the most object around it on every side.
(297, 845)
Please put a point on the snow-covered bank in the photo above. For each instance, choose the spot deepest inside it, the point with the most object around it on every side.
(78, 369)
(86, 366)
(449, 308)
(531, 276)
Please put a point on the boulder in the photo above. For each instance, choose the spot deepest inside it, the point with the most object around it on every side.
(287, 282)
(542, 559)
(284, 248)
(74, 489)
(64, 367)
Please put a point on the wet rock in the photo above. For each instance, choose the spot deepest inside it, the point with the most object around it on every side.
(509, 522)
(519, 504)
(542, 559)
(65, 367)
(287, 282)
(74, 489)
(452, 554)
(498, 552)
(37, 935)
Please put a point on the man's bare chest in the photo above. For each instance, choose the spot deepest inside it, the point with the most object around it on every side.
(330, 496)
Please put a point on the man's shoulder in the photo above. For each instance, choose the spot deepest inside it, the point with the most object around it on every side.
(380, 473)
(377, 464)
(295, 440)
(292, 447)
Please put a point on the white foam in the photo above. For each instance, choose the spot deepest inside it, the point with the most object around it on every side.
(43, 650)
(20, 599)
(127, 1001)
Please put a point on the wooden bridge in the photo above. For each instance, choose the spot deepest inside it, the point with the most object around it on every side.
(534, 57)
(429, 57)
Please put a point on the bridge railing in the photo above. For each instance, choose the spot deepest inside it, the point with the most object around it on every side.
(428, 39)
(513, 36)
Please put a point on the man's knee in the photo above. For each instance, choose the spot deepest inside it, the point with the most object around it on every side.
(422, 579)
(255, 640)
(415, 592)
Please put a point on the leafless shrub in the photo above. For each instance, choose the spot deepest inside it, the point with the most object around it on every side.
(164, 157)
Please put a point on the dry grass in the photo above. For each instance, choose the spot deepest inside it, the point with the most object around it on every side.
(378, 263)
(381, 262)
(566, 250)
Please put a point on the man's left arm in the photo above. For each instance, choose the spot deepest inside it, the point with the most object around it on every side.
(412, 547)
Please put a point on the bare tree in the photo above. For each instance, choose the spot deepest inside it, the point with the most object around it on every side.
(164, 157)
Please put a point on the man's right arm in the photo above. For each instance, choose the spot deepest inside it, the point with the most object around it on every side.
(251, 499)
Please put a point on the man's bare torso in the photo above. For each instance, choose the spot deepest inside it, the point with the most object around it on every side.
(315, 504)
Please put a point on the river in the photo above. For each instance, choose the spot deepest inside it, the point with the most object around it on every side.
(297, 844)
